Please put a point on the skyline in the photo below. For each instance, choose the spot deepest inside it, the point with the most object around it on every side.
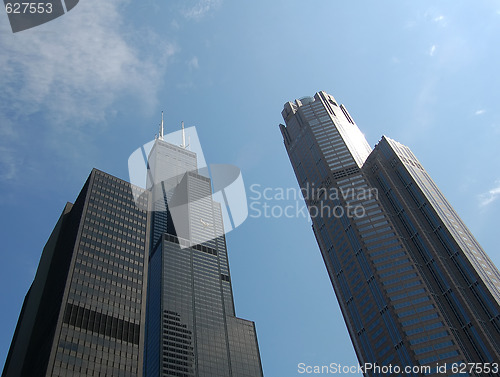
(383, 66)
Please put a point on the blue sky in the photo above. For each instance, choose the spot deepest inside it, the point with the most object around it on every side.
(87, 89)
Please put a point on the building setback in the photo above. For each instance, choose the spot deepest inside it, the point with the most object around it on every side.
(84, 313)
(414, 286)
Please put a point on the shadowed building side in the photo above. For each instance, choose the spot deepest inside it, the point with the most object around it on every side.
(84, 313)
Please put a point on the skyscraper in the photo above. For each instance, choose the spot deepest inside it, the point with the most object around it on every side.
(192, 329)
(414, 286)
(84, 313)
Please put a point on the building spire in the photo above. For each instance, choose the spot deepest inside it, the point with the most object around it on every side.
(183, 145)
(161, 127)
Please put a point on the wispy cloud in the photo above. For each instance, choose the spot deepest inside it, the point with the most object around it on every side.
(64, 77)
(11, 161)
(480, 112)
(438, 18)
(200, 9)
(489, 197)
(395, 60)
(193, 63)
(432, 50)
(9, 164)
(76, 66)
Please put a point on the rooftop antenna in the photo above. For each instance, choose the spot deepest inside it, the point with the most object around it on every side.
(161, 127)
(183, 145)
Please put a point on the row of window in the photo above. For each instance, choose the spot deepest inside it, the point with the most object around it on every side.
(442, 356)
(112, 240)
(420, 319)
(415, 311)
(100, 323)
(434, 336)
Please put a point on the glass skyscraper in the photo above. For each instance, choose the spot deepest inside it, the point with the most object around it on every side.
(414, 286)
(84, 313)
(192, 329)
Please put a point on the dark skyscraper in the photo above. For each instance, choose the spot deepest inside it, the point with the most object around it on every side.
(414, 286)
(192, 329)
(84, 312)
(89, 311)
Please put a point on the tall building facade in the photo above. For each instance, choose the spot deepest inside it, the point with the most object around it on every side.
(84, 313)
(192, 329)
(415, 288)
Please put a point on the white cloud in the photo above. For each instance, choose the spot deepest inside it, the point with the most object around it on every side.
(193, 63)
(11, 161)
(201, 8)
(395, 60)
(480, 112)
(9, 164)
(175, 25)
(434, 15)
(432, 50)
(489, 197)
(76, 66)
